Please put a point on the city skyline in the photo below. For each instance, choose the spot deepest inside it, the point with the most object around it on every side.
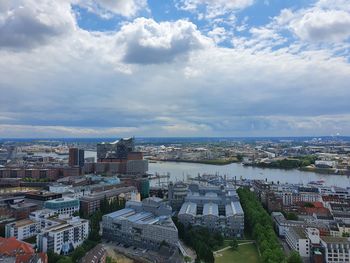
(231, 68)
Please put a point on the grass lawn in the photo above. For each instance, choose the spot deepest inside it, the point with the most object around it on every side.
(245, 254)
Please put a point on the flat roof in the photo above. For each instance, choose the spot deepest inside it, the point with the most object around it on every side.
(141, 218)
(334, 240)
(299, 231)
(61, 199)
(121, 213)
(24, 222)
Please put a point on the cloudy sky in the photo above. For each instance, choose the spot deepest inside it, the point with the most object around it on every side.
(110, 68)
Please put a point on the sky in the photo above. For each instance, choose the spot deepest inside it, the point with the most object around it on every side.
(112, 68)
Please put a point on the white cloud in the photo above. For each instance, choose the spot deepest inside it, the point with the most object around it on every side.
(177, 83)
(14, 131)
(149, 42)
(214, 8)
(320, 25)
(108, 8)
(219, 34)
(27, 24)
(326, 21)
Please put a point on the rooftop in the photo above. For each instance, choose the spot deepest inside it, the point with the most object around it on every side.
(335, 240)
(24, 222)
(210, 209)
(12, 247)
(188, 208)
(234, 208)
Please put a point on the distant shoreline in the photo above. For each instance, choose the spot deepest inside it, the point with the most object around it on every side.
(209, 162)
(324, 171)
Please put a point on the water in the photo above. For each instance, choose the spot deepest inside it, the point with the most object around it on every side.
(180, 171)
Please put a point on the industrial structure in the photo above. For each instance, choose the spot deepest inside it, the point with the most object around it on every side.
(146, 224)
(214, 207)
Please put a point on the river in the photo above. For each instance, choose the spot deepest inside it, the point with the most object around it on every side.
(180, 171)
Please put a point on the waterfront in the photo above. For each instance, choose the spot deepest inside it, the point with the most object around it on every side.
(181, 171)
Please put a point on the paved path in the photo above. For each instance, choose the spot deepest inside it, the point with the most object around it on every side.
(240, 244)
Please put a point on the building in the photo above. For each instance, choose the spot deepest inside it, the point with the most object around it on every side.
(22, 229)
(297, 240)
(115, 150)
(64, 205)
(42, 195)
(96, 255)
(22, 209)
(177, 193)
(120, 157)
(282, 225)
(91, 203)
(76, 157)
(13, 250)
(137, 167)
(65, 236)
(214, 207)
(337, 249)
(45, 218)
(146, 224)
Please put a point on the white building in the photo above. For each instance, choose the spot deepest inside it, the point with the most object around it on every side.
(63, 206)
(22, 229)
(337, 249)
(64, 237)
(297, 240)
(45, 218)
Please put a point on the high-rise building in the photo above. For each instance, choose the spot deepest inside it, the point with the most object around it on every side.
(76, 157)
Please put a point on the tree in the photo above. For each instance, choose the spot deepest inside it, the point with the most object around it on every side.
(76, 213)
(234, 244)
(294, 257)
(78, 253)
(187, 259)
(259, 222)
(65, 260)
(53, 257)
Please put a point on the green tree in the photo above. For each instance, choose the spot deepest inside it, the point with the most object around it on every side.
(76, 213)
(65, 260)
(78, 253)
(234, 244)
(53, 257)
(294, 257)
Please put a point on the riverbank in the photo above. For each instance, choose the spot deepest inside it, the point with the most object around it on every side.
(210, 162)
(312, 169)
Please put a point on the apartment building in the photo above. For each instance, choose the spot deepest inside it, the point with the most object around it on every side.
(22, 229)
(65, 236)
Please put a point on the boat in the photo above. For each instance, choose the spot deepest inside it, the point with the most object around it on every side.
(320, 182)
